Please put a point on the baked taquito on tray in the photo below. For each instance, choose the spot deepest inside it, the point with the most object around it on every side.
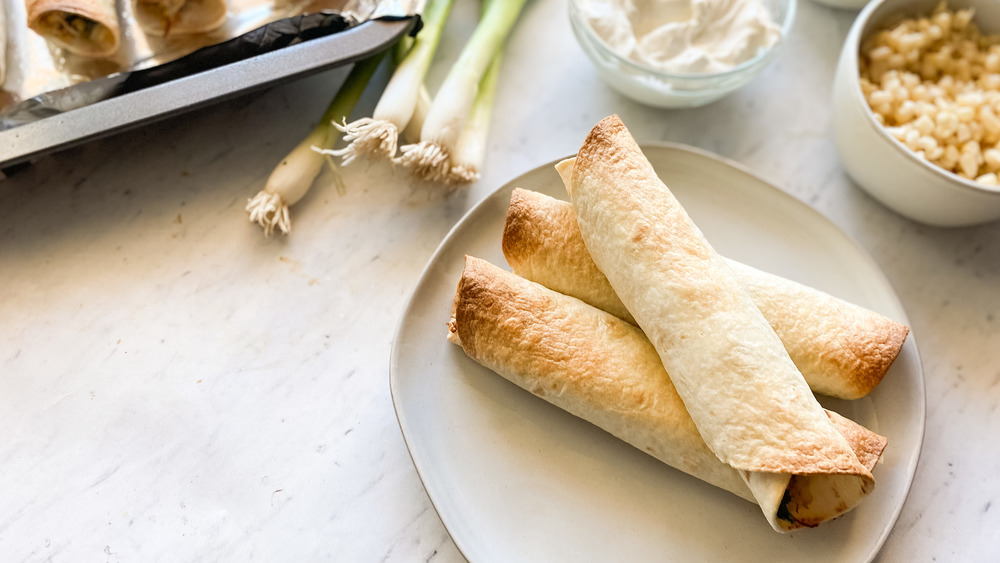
(842, 350)
(173, 17)
(85, 27)
(604, 370)
(747, 399)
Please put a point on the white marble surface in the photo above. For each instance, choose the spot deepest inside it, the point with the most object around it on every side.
(174, 387)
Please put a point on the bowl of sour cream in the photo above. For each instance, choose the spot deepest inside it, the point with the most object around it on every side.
(680, 53)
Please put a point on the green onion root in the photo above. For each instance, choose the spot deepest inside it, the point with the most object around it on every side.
(376, 137)
(295, 174)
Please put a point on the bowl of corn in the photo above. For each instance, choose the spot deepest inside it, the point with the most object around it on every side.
(917, 108)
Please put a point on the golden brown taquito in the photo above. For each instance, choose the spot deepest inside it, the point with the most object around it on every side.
(842, 350)
(749, 402)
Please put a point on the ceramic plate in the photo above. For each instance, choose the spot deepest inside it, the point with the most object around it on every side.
(516, 479)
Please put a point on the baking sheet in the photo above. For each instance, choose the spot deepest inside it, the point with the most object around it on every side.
(35, 66)
(154, 78)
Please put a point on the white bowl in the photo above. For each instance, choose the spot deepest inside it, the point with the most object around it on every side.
(657, 88)
(881, 165)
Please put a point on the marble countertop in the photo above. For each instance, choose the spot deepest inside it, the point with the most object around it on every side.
(176, 387)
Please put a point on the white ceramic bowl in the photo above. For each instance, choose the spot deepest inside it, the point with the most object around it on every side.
(656, 88)
(881, 165)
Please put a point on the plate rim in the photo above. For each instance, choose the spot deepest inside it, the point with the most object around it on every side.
(912, 463)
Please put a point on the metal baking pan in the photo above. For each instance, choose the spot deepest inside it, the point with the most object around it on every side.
(25, 142)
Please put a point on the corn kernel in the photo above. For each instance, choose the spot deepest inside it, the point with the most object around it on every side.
(963, 134)
(967, 166)
(947, 124)
(926, 144)
(991, 157)
(950, 158)
(989, 179)
(924, 125)
(879, 97)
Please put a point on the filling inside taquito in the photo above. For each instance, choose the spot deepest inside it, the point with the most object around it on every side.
(747, 399)
(842, 350)
(84, 27)
(605, 371)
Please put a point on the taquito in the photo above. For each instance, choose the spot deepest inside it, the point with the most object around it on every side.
(842, 350)
(170, 17)
(749, 402)
(84, 27)
(604, 370)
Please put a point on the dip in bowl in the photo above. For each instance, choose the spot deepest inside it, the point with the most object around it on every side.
(680, 53)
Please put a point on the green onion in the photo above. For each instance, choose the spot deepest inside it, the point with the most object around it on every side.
(295, 174)
(377, 136)
(431, 158)
(471, 150)
(412, 132)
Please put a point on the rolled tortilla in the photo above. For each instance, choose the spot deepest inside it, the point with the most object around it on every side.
(170, 17)
(842, 350)
(85, 27)
(746, 397)
(604, 370)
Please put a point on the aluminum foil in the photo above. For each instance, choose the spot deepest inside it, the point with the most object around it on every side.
(43, 80)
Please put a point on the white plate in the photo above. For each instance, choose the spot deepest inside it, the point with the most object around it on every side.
(516, 479)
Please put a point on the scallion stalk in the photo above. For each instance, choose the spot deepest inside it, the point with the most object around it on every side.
(295, 174)
(471, 150)
(412, 132)
(431, 158)
(377, 136)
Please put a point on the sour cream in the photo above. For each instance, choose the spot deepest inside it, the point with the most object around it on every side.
(684, 36)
